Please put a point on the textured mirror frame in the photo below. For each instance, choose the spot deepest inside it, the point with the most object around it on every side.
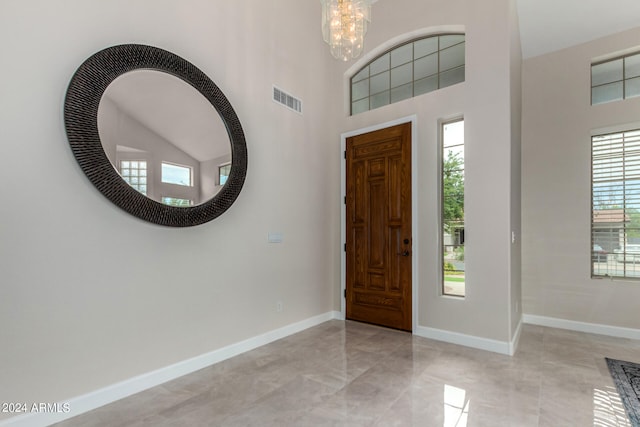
(81, 122)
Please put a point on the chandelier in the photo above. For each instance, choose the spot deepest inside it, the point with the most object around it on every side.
(344, 24)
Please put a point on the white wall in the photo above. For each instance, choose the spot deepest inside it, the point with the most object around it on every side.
(90, 295)
(558, 121)
(492, 193)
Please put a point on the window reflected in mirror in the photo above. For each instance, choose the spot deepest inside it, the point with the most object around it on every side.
(134, 173)
(223, 173)
(176, 174)
(174, 201)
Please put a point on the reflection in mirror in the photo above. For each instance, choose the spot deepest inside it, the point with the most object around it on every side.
(164, 138)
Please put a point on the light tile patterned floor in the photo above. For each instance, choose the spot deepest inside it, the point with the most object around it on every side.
(352, 374)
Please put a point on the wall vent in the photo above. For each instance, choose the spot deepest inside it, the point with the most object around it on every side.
(289, 101)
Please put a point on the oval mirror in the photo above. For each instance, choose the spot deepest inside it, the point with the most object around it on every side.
(155, 135)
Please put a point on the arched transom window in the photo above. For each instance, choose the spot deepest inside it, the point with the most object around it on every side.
(409, 70)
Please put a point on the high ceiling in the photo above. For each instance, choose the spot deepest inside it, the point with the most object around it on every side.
(550, 25)
(545, 26)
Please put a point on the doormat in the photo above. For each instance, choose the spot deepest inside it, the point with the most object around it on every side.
(626, 376)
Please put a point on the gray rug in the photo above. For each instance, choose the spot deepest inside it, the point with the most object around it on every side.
(626, 376)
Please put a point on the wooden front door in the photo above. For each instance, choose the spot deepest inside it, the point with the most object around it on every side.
(378, 229)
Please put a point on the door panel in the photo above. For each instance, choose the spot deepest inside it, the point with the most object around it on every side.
(378, 281)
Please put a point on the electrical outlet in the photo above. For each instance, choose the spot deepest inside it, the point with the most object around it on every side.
(279, 307)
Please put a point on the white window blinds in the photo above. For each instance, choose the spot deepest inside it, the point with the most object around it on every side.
(615, 213)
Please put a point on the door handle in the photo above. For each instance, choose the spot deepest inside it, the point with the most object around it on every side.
(405, 253)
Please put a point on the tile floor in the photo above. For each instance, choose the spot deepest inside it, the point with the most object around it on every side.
(352, 374)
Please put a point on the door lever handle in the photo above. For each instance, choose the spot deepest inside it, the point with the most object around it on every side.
(405, 253)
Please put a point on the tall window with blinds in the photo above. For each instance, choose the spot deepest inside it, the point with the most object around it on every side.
(615, 205)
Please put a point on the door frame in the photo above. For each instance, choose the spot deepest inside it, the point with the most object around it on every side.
(413, 119)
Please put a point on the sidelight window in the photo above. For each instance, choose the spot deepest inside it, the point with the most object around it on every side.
(452, 204)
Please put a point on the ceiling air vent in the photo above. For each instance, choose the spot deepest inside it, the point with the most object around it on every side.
(291, 102)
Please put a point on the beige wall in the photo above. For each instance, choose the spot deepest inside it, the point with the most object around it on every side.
(90, 295)
(558, 121)
(515, 265)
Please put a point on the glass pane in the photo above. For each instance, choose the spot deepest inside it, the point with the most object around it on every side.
(632, 88)
(126, 172)
(453, 229)
(425, 85)
(452, 77)
(379, 65)
(379, 100)
(426, 66)
(360, 106)
(401, 75)
(143, 172)
(142, 164)
(606, 93)
(402, 55)
(380, 82)
(175, 174)
(425, 47)
(453, 138)
(632, 66)
(450, 40)
(402, 92)
(606, 73)
(363, 74)
(360, 90)
(125, 165)
(452, 57)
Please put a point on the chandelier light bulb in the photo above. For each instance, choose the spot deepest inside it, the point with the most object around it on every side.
(344, 25)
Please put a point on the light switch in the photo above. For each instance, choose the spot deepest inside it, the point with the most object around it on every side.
(275, 237)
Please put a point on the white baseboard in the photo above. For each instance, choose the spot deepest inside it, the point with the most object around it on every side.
(502, 347)
(593, 328)
(81, 404)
